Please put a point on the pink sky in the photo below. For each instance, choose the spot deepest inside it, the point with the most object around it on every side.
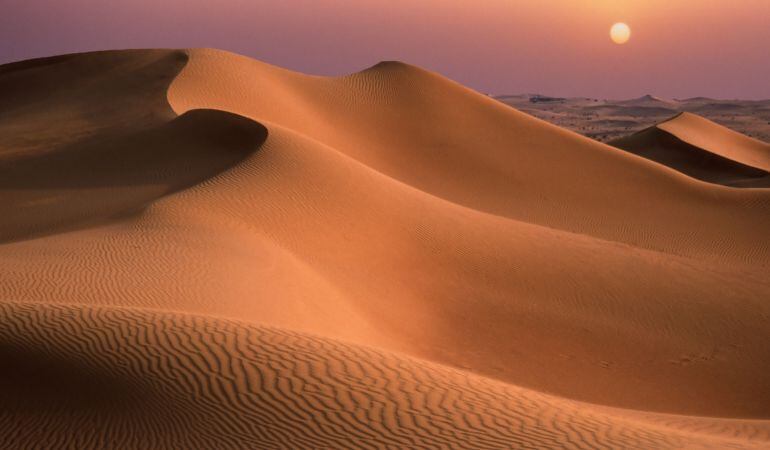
(679, 48)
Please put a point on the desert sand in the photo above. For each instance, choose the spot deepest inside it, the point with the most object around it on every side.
(201, 250)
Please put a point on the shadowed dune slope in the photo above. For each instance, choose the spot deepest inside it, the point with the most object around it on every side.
(84, 138)
(381, 260)
(703, 150)
(48, 103)
(110, 174)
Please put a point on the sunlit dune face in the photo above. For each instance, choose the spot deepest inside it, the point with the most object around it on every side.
(620, 33)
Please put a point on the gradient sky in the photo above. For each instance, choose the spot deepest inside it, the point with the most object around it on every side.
(679, 48)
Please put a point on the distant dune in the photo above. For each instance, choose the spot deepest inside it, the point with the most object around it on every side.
(606, 120)
(719, 140)
(703, 150)
(200, 250)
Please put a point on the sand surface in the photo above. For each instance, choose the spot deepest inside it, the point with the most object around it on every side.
(200, 250)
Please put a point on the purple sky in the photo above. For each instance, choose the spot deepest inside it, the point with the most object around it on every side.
(679, 48)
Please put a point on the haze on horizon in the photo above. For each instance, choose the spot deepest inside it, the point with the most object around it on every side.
(679, 49)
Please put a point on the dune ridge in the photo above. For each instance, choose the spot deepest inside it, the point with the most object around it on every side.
(385, 259)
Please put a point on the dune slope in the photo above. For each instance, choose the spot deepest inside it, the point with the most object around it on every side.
(243, 256)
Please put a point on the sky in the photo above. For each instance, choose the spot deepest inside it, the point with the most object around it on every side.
(678, 48)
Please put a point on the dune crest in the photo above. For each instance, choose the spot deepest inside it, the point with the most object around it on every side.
(256, 257)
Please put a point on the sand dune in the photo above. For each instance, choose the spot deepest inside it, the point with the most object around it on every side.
(703, 150)
(404, 122)
(718, 139)
(243, 256)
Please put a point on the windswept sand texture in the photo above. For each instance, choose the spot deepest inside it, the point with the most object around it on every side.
(200, 250)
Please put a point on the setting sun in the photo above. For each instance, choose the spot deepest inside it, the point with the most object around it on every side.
(620, 33)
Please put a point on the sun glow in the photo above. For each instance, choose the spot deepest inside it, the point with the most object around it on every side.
(620, 33)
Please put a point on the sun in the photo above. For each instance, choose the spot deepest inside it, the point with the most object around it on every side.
(620, 33)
